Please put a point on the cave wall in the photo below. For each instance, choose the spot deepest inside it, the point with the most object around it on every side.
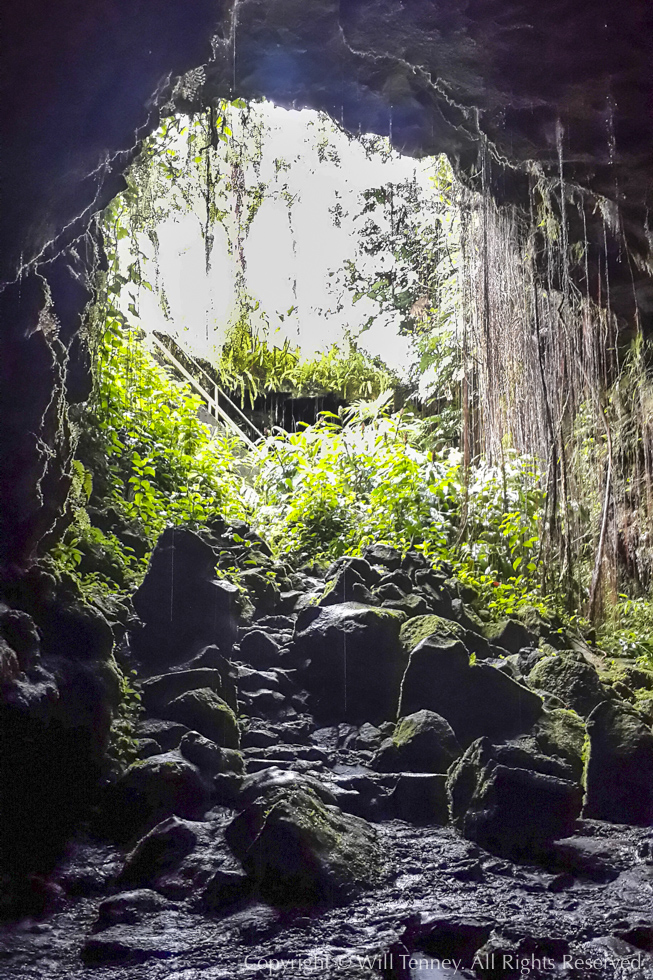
(507, 88)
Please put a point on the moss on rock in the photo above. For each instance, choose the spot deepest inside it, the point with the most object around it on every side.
(205, 712)
(418, 628)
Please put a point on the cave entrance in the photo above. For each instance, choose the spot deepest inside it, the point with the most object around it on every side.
(283, 267)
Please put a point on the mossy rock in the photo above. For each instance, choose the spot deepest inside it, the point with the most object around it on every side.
(619, 769)
(302, 851)
(423, 742)
(476, 699)
(571, 678)
(639, 679)
(562, 732)
(418, 628)
(507, 799)
(203, 711)
(509, 634)
(155, 788)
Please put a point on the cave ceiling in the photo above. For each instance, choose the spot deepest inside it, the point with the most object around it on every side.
(525, 78)
(519, 84)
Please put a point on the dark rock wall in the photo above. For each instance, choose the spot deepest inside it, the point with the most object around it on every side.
(500, 83)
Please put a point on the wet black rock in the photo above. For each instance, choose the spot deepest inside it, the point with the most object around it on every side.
(182, 603)
(421, 742)
(476, 699)
(128, 907)
(570, 677)
(210, 758)
(360, 566)
(383, 554)
(168, 734)
(510, 634)
(205, 712)
(158, 692)
(452, 938)
(226, 890)
(259, 649)
(504, 801)
(354, 661)
(587, 857)
(262, 589)
(303, 852)
(161, 849)
(152, 789)
(619, 774)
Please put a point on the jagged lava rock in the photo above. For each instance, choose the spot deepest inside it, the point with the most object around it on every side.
(476, 699)
(355, 661)
(500, 797)
(422, 742)
(181, 601)
(619, 771)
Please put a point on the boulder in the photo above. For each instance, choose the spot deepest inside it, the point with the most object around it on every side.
(158, 787)
(346, 586)
(209, 757)
(160, 850)
(168, 734)
(272, 780)
(410, 605)
(571, 678)
(420, 627)
(383, 554)
(422, 742)
(262, 589)
(259, 650)
(510, 634)
(562, 733)
(368, 738)
(360, 566)
(476, 699)
(619, 768)
(157, 692)
(128, 907)
(205, 712)
(182, 603)
(301, 851)
(354, 661)
(510, 809)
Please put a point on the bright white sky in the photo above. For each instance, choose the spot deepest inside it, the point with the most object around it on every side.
(281, 275)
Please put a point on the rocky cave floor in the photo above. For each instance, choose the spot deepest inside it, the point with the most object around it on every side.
(355, 849)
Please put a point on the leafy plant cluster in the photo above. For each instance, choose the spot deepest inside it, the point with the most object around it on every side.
(336, 486)
(166, 466)
(252, 367)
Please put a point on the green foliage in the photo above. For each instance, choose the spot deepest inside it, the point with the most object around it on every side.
(251, 366)
(628, 630)
(166, 466)
(341, 484)
(123, 747)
